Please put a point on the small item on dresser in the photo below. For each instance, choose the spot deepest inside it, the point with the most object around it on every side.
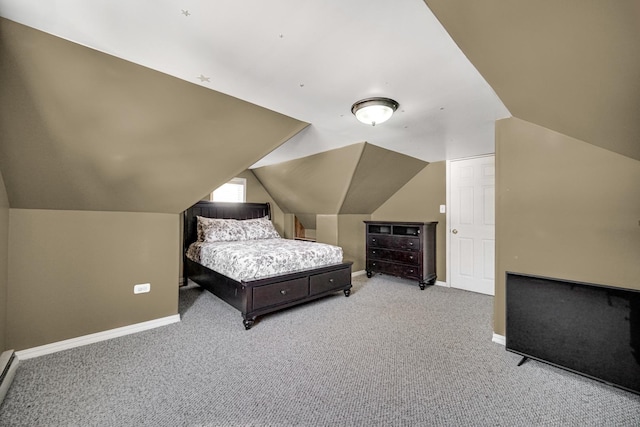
(403, 249)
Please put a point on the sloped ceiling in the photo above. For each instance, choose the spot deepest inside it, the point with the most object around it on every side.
(355, 179)
(310, 60)
(572, 66)
(82, 130)
(378, 175)
(314, 184)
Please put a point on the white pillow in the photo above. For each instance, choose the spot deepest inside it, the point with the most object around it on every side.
(259, 228)
(219, 230)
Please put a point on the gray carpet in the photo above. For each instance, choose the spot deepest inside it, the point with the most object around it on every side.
(389, 355)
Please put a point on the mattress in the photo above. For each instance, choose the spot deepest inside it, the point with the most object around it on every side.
(255, 259)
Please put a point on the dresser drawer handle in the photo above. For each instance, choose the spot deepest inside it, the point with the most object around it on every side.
(283, 291)
(410, 243)
(373, 252)
(331, 280)
(411, 257)
(410, 271)
(373, 240)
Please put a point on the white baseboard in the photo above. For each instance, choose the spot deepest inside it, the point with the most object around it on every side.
(499, 339)
(93, 338)
(439, 283)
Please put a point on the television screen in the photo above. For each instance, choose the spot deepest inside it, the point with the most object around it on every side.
(589, 329)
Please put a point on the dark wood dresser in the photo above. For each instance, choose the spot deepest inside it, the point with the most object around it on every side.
(403, 249)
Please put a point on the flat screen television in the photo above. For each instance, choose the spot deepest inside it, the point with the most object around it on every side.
(589, 329)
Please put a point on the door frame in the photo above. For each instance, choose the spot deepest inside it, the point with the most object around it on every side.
(448, 211)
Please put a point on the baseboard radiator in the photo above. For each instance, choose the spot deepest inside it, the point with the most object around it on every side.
(8, 367)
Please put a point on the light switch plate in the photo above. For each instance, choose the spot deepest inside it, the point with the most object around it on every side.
(443, 208)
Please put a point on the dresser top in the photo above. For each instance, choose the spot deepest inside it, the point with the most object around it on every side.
(400, 222)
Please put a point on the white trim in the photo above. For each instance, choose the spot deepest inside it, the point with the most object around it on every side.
(499, 339)
(448, 213)
(97, 337)
(447, 220)
(439, 283)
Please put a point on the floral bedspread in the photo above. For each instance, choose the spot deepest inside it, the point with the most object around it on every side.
(255, 259)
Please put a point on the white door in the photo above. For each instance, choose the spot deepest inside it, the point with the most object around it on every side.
(472, 224)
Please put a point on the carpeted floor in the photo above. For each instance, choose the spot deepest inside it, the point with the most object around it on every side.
(389, 355)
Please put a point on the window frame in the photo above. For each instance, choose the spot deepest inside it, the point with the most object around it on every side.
(234, 181)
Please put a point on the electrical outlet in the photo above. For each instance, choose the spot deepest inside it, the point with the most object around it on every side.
(141, 288)
(443, 208)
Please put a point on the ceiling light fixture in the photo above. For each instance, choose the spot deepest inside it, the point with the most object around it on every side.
(373, 111)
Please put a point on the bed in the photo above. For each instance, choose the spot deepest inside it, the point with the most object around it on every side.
(261, 288)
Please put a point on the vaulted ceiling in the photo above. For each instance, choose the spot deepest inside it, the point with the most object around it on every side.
(356, 179)
(308, 60)
(82, 130)
(572, 66)
(147, 106)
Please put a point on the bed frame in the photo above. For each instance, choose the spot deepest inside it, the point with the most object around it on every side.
(257, 297)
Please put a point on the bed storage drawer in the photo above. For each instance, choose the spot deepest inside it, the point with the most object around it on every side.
(324, 282)
(281, 292)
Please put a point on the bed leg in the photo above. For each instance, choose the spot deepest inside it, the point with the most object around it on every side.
(248, 323)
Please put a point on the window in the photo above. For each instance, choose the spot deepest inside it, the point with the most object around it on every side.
(232, 191)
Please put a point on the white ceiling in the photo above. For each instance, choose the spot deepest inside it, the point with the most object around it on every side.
(310, 60)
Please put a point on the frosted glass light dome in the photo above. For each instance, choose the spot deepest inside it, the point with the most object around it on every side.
(373, 111)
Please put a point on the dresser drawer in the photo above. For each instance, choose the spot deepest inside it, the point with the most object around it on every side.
(408, 271)
(324, 282)
(281, 292)
(405, 257)
(394, 242)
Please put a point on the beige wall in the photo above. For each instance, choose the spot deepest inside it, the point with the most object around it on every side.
(355, 179)
(71, 273)
(314, 184)
(571, 65)
(564, 209)
(351, 237)
(327, 229)
(4, 259)
(83, 130)
(346, 231)
(256, 193)
(420, 200)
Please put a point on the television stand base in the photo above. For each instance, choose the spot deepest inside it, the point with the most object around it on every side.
(524, 359)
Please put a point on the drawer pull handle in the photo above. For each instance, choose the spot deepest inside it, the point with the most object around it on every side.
(411, 257)
(283, 291)
(410, 271)
(373, 252)
(373, 240)
(410, 243)
(330, 280)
